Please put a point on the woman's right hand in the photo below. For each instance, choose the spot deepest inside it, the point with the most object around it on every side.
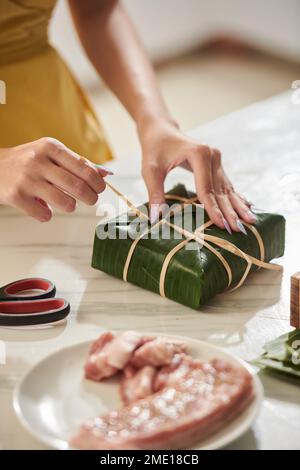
(39, 175)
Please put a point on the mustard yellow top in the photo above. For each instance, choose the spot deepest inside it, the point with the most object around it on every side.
(43, 99)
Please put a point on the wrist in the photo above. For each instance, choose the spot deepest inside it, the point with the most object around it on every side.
(146, 124)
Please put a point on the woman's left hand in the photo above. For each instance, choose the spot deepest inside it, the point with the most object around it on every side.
(165, 147)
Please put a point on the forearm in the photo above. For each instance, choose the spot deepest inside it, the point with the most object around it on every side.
(115, 50)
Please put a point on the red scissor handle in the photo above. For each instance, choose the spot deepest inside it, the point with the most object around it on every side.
(27, 312)
(17, 290)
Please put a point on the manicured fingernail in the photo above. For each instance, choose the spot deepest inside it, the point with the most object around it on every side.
(227, 226)
(154, 213)
(253, 216)
(101, 167)
(241, 227)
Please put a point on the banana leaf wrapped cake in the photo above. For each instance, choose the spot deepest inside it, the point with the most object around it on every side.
(185, 258)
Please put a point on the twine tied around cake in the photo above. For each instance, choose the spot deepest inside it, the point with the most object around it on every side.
(199, 236)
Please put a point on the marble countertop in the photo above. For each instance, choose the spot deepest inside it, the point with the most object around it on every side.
(261, 151)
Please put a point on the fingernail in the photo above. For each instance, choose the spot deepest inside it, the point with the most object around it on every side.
(227, 226)
(154, 213)
(101, 167)
(253, 216)
(241, 227)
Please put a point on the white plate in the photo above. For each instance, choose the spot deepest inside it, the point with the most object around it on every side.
(54, 399)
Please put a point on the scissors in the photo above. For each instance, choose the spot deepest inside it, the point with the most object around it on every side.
(31, 302)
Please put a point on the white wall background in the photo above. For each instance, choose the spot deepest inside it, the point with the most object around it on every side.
(171, 27)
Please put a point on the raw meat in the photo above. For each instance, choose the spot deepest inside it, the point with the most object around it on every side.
(179, 367)
(179, 415)
(122, 347)
(110, 353)
(158, 352)
(97, 367)
(140, 383)
(137, 384)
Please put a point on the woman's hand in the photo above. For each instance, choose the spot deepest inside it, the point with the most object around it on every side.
(42, 174)
(164, 147)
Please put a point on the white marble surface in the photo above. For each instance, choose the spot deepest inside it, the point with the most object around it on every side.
(261, 147)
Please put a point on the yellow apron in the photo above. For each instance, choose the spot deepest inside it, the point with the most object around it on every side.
(42, 97)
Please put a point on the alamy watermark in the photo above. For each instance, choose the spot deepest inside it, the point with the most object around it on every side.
(296, 93)
(2, 92)
(296, 352)
(2, 353)
(176, 222)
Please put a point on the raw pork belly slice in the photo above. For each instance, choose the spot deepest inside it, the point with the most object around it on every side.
(110, 353)
(177, 416)
(140, 383)
(97, 367)
(180, 366)
(156, 353)
(137, 384)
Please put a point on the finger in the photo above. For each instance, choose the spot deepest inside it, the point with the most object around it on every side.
(202, 168)
(154, 178)
(73, 185)
(229, 213)
(56, 197)
(40, 201)
(103, 170)
(74, 163)
(222, 187)
(244, 199)
(33, 207)
(229, 185)
(242, 209)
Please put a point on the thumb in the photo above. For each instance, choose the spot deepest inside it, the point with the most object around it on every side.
(154, 178)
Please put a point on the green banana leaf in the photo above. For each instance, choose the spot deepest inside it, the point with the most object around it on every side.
(194, 275)
(281, 356)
